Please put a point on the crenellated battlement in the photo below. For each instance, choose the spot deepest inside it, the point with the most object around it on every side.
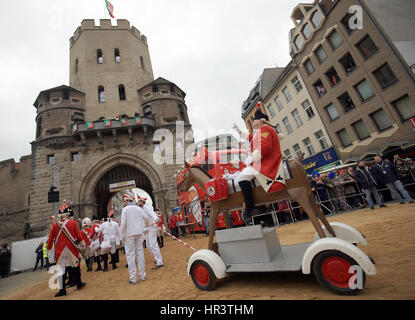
(105, 24)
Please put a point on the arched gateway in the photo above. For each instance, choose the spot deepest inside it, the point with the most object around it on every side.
(95, 194)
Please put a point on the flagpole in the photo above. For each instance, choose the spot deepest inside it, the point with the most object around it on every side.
(105, 12)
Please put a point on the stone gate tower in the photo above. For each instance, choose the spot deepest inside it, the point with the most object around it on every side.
(99, 130)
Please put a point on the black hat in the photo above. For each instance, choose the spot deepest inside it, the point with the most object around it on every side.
(259, 115)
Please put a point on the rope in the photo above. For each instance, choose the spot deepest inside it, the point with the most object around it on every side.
(182, 242)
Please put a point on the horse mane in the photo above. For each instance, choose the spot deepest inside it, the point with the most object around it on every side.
(203, 170)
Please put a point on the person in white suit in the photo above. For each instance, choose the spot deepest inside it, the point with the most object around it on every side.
(132, 233)
(151, 234)
(109, 231)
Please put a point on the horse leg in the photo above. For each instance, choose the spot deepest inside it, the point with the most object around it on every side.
(226, 219)
(302, 196)
(212, 225)
(321, 216)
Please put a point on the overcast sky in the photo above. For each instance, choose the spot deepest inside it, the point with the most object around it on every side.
(214, 50)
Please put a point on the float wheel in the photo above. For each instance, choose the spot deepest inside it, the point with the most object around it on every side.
(332, 270)
(202, 275)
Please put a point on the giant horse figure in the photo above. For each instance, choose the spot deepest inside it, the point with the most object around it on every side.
(297, 188)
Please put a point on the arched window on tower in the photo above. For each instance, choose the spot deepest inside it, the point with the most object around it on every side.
(155, 88)
(121, 92)
(39, 127)
(100, 59)
(65, 94)
(101, 94)
(76, 66)
(142, 63)
(182, 113)
(147, 111)
(117, 55)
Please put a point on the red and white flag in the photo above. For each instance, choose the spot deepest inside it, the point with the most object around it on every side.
(110, 8)
(412, 121)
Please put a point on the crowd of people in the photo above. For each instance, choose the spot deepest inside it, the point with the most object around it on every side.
(97, 240)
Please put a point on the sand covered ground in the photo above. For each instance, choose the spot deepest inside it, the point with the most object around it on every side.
(390, 232)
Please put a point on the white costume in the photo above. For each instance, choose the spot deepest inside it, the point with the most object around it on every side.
(151, 234)
(132, 233)
(109, 231)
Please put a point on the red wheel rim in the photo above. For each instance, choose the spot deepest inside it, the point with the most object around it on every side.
(201, 274)
(336, 271)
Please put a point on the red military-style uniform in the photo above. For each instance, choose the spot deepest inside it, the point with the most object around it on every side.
(57, 237)
(267, 143)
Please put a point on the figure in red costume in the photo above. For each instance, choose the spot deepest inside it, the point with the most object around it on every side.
(264, 161)
(67, 255)
(88, 234)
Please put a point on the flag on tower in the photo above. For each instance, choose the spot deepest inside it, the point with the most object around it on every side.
(110, 8)
(137, 119)
(107, 123)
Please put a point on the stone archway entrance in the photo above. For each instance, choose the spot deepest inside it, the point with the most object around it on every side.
(118, 174)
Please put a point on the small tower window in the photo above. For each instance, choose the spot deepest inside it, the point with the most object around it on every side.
(147, 110)
(99, 56)
(182, 113)
(101, 94)
(117, 55)
(76, 66)
(142, 63)
(47, 97)
(172, 89)
(65, 95)
(155, 89)
(39, 127)
(121, 92)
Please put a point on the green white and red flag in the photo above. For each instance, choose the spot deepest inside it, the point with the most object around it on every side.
(123, 121)
(90, 125)
(137, 119)
(75, 128)
(110, 8)
(107, 123)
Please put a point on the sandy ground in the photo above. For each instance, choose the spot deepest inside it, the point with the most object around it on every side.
(389, 231)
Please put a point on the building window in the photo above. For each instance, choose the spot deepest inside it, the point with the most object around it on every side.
(307, 31)
(309, 146)
(100, 59)
(172, 89)
(287, 125)
(51, 159)
(77, 117)
(308, 109)
(121, 92)
(297, 84)
(65, 94)
(101, 94)
(332, 112)
(287, 94)
(147, 110)
(74, 156)
(345, 22)
(335, 39)
(181, 111)
(278, 127)
(348, 63)
(297, 118)
(317, 18)
(381, 120)
(279, 103)
(299, 41)
(405, 107)
(287, 154)
(76, 66)
(297, 150)
(361, 130)
(346, 102)
(364, 89)
(155, 89)
(332, 76)
(321, 90)
(309, 66)
(344, 138)
(117, 55)
(385, 76)
(321, 54)
(38, 127)
(142, 63)
(367, 47)
(321, 140)
(271, 111)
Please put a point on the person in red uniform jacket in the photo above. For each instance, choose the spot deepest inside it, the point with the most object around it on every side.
(88, 234)
(160, 225)
(264, 163)
(67, 255)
